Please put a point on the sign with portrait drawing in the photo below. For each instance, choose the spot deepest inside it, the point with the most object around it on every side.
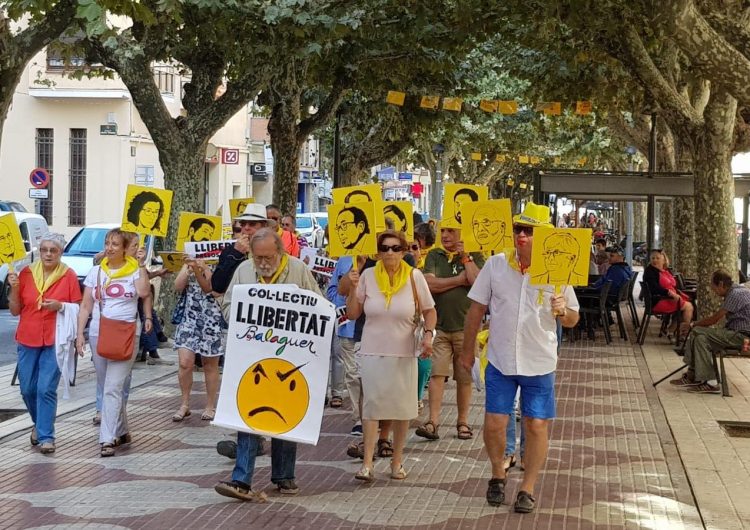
(277, 362)
(237, 206)
(487, 226)
(147, 210)
(358, 194)
(172, 260)
(352, 229)
(11, 243)
(400, 213)
(197, 227)
(455, 197)
(560, 256)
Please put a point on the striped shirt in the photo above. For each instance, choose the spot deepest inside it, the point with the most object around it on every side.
(737, 305)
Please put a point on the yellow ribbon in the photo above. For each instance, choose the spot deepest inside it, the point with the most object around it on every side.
(275, 277)
(130, 266)
(42, 285)
(400, 278)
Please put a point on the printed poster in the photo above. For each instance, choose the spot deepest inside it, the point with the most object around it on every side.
(455, 197)
(487, 226)
(400, 213)
(172, 261)
(560, 256)
(147, 210)
(316, 263)
(277, 362)
(359, 194)
(353, 231)
(237, 206)
(11, 243)
(208, 251)
(195, 227)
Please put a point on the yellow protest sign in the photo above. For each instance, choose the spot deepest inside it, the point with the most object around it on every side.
(172, 260)
(560, 256)
(488, 105)
(352, 231)
(196, 227)
(400, 213)
(487, 226)
(456, 195)
(476, 156)
(237, 206)
(552, 108)
(353, 194)
(11, 243)
(429, 102)
(395, 97)
(583, 107)
(453, 104)
(507, 107)
(146, 210)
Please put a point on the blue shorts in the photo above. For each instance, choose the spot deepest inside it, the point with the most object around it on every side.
(537, 393)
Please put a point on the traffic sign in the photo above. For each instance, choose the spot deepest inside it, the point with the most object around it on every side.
(36, 193)
(39, 178)
(230, 156)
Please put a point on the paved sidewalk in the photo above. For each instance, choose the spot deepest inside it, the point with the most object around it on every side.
(612, 464)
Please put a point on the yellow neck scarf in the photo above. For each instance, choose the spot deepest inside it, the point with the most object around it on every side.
(400, 278)
(42, 285)
(130, 266)
(275, 277)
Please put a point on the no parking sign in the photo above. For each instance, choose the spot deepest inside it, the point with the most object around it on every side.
(39, 178)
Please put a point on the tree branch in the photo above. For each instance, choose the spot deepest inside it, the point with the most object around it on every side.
(341, 85)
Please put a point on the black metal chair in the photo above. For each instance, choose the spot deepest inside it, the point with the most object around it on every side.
(615, 304)
(631, 301)
(597, 307)
(648, 312)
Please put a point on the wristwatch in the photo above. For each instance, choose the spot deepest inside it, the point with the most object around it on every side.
(466, 259)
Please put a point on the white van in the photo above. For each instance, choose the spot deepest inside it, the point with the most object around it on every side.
(32, 227)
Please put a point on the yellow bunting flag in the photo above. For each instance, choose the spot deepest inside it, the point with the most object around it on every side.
(488, 105)
(507, 107)
(510, 182)
(429, 102)
(558, 160)
(535, 159)
(552, 108)
(453, 104)
(476, 156)
(501, 158)
(583, 107)
(522, 185)
(395, 98)
(523, 159)
(582, 161)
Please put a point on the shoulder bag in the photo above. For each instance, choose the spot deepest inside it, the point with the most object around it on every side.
(116, 337)
(178, 313)
(417, 319)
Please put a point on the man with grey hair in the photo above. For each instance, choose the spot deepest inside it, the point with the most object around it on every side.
(268, 263)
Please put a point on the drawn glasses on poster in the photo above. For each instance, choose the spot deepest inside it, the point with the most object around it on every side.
(560, 252)
(145, 212)
(352, 227)
(489, 231)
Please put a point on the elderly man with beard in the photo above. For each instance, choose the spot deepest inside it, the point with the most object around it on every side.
(268, 264)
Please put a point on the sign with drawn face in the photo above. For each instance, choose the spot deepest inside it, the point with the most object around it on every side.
(361, 194)
(487, 226)
(197, 227)
(172, 261)
(560, 256)
(455, 197)
(352, 229)
(147, 210)
(11, 243)
(277, 361)
(400, 214)
(237, 206)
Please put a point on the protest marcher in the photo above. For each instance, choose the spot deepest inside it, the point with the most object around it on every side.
(269, 264)
(38, 294)
(522, 352)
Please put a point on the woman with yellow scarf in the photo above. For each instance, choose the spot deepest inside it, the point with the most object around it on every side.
(113, 288)
(37, 294)
(388, 362)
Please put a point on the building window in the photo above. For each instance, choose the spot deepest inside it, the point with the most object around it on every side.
(164, 78)
(77, 199)
(45, 142)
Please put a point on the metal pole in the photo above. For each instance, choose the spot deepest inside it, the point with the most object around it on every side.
(629, 233)
(651, 223)
(436, 208)
(744, 242)
(337, 152)
(652, 147)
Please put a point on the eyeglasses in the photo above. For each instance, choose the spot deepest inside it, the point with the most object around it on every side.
(251, 223)
(528, 230)
(557, 253)
(151, 211)
(264, 259)
(486, 223)
(386, 248)
(344, 225)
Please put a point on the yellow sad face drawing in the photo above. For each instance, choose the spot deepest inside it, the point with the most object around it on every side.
(273, 396)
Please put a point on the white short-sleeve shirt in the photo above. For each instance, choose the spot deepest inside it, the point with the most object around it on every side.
(523, 330)
(120, 299)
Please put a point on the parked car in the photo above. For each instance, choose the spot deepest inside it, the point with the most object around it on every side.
(322, 219)
(32, 227)
(308, 228)
(12, 206)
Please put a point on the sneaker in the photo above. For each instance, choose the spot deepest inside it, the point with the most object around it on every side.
(227, 448)
(525, 502)
(704, 388)
(97, 419)
(237, 490)
(158, 360)
(287, 487)
(47, 448)
(34, 438)
(685, 380)
(357, 429)
(496, 491)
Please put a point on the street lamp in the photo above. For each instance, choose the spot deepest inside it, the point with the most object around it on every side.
(437, 191)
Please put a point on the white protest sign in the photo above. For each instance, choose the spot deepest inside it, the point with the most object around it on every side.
(206, 250)
(277, 361)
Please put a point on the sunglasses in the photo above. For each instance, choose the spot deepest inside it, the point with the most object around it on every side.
(414, 247)
(386, 248)
(236, 229)
(528, 230)
(251, 223)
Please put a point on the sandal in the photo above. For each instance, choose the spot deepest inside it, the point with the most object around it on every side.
(525, 502)
(399, 474)
(182, 413)
(365, 474)
(464, 432)
(107, 450)
(510, 461)
(430, 433)
(385, 449)
(336, 402)
(124, 439)
(208, 414)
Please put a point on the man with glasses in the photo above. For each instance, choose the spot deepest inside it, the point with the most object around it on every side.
(489, 230)
(560, 257)
(269, 263)
(450, 273)
(352, 229)
(522, 352)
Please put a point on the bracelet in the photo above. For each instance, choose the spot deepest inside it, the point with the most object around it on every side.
(430, 331)
(151, 319)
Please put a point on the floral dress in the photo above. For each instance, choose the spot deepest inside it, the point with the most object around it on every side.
(201, 330)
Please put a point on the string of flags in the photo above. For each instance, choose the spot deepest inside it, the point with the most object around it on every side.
(525, 159)
(506, 107)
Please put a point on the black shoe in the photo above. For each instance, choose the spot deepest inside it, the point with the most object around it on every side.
(162, 337)
(227, 448)
(496, 491)
(525, 503)
(141, 357)
(287, 487)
